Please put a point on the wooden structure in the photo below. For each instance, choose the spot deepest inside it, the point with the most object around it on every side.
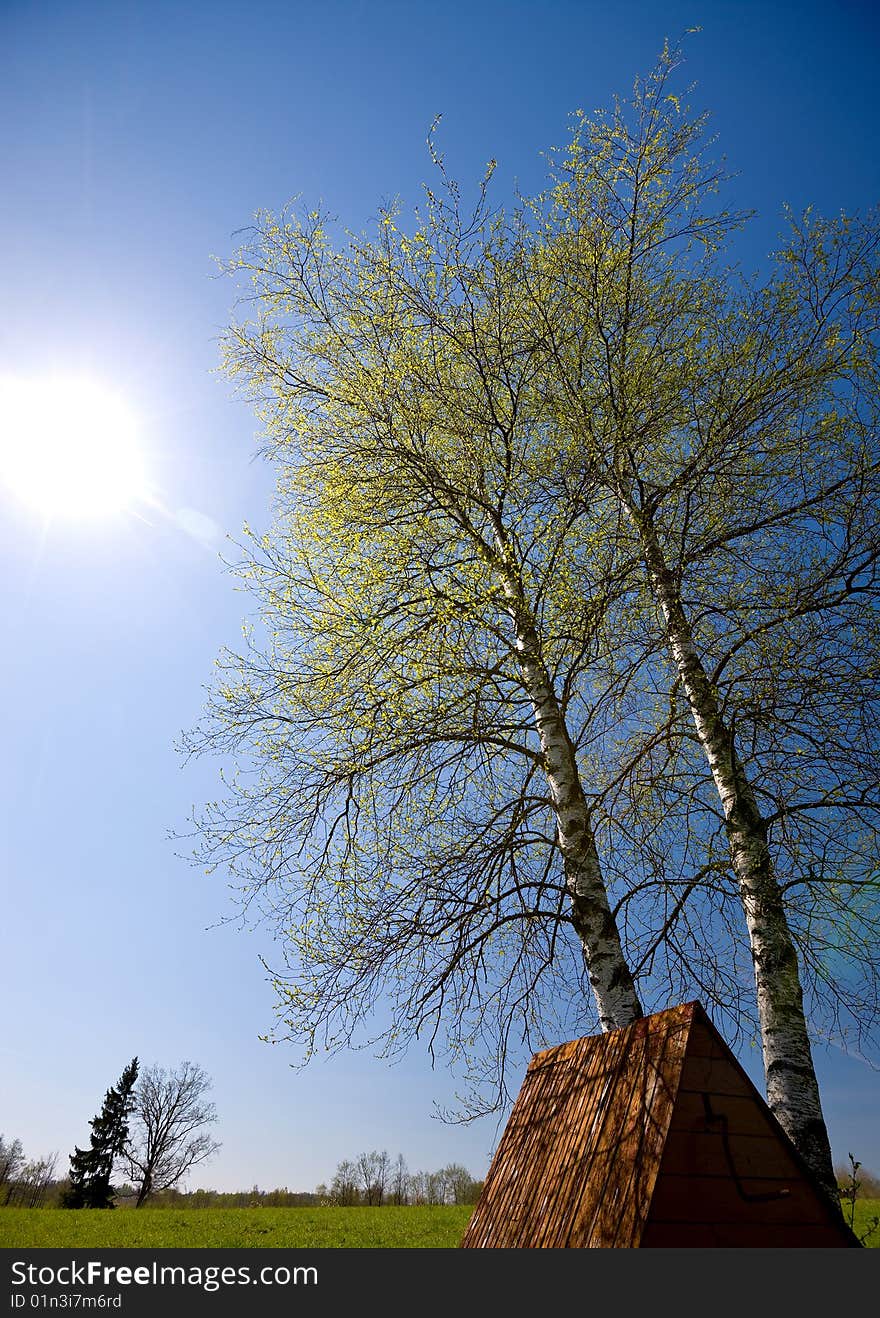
(652, 1135)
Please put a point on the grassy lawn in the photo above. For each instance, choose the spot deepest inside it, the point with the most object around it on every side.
(234, 1228)
(262, 1228)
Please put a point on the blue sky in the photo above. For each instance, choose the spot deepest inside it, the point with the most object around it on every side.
(135, 139)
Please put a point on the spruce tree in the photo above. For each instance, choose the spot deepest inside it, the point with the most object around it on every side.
(91, 1169)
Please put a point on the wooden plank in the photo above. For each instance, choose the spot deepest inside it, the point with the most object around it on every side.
(587, 1151)
(522, 1152)
(601, 1186)
(696, 1235)
(524, 1197)
(715, 1075)
(480, 1225)
(721, 1199)
(518, 1192)
(704, 1039)
(536, 1163)
(744, 1116)
(566, 1095)
(652, 1083)
(542, 1147)
(576, 1164)
(702, 1153)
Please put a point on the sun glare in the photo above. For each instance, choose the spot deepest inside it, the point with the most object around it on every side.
(69, 446)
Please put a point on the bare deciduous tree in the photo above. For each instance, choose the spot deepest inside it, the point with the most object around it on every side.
(344, 1187)
(374, 1169)
(36, 1177)
(168, 1127)
(11, 1164)
(399, 1186)
(24, 1184)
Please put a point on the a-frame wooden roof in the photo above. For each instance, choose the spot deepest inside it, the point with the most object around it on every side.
(652, 1135)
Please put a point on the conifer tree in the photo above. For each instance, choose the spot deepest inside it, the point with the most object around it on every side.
(91, 1169)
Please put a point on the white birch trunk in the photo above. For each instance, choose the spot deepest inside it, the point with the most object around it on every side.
(792, 1088)
(593, 920)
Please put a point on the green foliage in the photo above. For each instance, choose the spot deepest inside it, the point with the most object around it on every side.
(478, 421)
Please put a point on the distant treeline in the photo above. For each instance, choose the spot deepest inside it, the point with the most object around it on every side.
(375, 1178)
(371, 1179)
(254, 1198)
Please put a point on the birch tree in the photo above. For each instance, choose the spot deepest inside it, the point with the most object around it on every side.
(517, 722)
(735, 428)
(417, 822)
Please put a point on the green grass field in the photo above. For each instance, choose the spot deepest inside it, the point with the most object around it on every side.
(260, 1228)
(234, 1228)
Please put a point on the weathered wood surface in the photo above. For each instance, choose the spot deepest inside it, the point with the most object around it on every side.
(578, 1159)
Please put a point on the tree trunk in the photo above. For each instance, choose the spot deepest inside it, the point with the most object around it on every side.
(593, 920)
(792, 1088)
(145, 1190)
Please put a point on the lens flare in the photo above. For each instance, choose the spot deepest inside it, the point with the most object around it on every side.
(69, 446)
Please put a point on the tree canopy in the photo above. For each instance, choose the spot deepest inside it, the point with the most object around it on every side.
(562, 698)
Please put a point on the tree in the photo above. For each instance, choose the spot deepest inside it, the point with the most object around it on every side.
(427, 1188)
(92, 1168)
(734, 429)
(399, 1190)
(522, 467)
(419, 824)
(34, 1181)
(459, 1187)
(344, 1190)
(168, 1136)
(24, 1184)
(373, 1169)
(11, 1164)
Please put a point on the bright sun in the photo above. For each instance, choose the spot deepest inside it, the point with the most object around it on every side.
(69, 446)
